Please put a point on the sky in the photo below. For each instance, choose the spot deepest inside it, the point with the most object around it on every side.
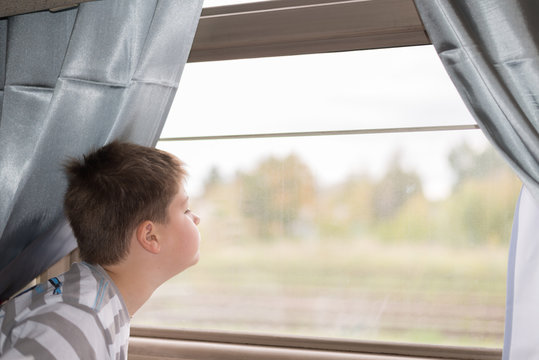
(385, 88)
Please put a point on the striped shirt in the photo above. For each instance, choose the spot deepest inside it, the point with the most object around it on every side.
(77, 315)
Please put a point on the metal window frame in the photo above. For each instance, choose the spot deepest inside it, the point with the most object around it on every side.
(325, 133)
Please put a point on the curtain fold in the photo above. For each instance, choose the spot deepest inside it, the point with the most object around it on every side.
(73, 81)
(490, 51)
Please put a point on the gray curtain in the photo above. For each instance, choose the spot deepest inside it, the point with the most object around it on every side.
(73, 81)
(490, 50)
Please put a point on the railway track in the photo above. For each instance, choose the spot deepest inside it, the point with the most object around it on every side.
(329, 313)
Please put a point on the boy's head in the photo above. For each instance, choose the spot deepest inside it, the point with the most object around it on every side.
(112, 190)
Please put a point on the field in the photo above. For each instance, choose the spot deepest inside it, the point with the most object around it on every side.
(344, 288)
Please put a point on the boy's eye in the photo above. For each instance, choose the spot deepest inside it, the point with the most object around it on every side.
(187, 211)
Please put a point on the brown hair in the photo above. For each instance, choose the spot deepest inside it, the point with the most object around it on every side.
(112, 190)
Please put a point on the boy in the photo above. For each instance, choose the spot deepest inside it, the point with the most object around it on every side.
(129, 212)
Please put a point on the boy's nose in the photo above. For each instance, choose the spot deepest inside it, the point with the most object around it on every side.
(196, 219)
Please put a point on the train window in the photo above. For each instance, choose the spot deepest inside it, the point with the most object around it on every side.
(345, 195)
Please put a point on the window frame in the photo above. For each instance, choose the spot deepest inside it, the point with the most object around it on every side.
(162, 343)
(279, 28)
(285, 27)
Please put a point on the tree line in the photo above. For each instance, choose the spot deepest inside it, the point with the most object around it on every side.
(280, 198)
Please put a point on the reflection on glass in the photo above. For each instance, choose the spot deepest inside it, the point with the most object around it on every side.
(369, 254)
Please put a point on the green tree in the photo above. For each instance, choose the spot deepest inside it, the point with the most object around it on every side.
(469, 164)
(276, 193)
(345, 209)
(395, 188)
(213, 179)
(481, 207)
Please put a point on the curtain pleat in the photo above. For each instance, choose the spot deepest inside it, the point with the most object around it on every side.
(75, 80)
(490, 51)
(3, 46)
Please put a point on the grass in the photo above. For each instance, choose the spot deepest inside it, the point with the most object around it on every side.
(340, 288)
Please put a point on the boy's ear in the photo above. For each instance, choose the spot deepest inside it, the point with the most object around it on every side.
(147, 237)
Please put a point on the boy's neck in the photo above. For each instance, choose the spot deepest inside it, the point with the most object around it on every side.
(134, 291)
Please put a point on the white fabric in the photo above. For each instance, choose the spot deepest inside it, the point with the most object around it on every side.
(522, 313)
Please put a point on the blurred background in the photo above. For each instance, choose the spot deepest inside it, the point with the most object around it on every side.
(397, 235)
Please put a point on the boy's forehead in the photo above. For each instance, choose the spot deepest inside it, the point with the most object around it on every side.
(181, 196)
(181, 190)
(182, 174)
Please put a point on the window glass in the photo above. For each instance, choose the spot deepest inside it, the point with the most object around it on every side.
(399, 87)
(288, 249)
(395, 237)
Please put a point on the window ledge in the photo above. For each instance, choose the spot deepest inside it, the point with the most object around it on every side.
(162, 343)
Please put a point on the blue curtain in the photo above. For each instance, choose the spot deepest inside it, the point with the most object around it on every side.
(71, 82)
(490, 51)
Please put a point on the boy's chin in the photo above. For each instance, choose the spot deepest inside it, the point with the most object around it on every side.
(192, 263)
(196, 259)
